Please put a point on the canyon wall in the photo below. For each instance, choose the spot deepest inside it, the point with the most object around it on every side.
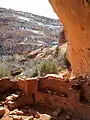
(75, 16)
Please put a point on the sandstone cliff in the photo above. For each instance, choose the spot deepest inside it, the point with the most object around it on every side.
(75, 16)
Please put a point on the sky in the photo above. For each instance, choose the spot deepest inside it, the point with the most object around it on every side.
(39, 7)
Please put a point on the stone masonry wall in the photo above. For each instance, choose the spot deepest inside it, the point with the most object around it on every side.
(52, 92)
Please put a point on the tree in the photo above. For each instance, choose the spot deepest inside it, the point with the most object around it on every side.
(75, 16)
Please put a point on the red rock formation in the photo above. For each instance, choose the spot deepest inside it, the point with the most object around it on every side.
(75, 16)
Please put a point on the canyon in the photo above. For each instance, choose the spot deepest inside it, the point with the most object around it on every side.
(55, 97)
(24, 32)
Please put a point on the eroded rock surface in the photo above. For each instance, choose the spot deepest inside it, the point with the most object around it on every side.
(75, 16)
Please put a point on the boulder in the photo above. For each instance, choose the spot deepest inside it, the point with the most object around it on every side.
(2, 110)
(15, 117)
(34, 53)
(30, 118)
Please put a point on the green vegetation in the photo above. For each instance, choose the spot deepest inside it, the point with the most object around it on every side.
(48, 67)
(35, 71)
(61, 68)
(51, 61)
(56, 52)
(4, 71)
(11, 59)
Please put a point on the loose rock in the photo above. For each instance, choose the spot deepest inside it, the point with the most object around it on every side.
(30, 118)
(10, 104)
(2, 110)
(49, 92)
(9, 98)
(16, 112)
(54, 93)
(45, 117)
(37, 115)
(14, 96)
(15, 117)
(68, 117)
(32, 112)
(57, 112)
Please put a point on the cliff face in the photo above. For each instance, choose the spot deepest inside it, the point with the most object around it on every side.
(75, 16)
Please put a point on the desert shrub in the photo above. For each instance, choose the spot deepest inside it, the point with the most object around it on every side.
(34, 72)
(61, 68)
(10, 58)
(31, 72)
(4, 71)
(66, 61)
(56, 52)
(48, 67)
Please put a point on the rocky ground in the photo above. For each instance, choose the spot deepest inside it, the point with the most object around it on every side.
(29, 63)
(31, 112)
